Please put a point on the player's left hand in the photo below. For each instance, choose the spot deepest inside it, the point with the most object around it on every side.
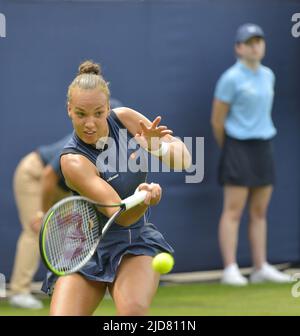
(154, 192)
(149, 136)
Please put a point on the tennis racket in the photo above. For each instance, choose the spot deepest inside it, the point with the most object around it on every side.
(73, 228)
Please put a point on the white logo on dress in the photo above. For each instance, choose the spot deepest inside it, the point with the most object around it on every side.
(112, 178)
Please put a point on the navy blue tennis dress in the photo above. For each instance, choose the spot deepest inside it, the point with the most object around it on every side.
(140, 238)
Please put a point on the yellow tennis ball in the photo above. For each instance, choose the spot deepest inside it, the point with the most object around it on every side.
(163, 263)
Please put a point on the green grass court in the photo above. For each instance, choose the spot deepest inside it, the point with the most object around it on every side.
(202, 299)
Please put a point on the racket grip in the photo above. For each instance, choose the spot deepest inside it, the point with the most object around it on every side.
(134, 199)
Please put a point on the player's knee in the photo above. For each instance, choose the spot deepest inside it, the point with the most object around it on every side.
(54, 311)
(133, 307)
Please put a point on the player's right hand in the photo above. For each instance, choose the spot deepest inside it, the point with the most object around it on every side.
(154, 193)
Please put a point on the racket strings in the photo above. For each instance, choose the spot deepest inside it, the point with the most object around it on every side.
(74, 231)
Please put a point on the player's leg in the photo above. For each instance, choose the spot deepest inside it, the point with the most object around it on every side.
(234, 202)
(74, 295)
(258, 205)
(135, 285)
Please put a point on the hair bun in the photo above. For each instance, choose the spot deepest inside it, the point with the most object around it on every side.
(89, 67)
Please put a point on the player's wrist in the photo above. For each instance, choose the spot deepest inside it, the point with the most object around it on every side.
(161, 151)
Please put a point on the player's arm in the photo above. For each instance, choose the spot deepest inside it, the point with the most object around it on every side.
(81, 176)
(177, 155)
(219, 112)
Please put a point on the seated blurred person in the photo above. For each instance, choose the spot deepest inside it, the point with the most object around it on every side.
(38, 184)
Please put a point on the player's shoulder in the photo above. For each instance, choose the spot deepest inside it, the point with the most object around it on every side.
(73, 161)
(76, 169)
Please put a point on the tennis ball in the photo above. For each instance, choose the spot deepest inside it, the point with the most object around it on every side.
(163, 263)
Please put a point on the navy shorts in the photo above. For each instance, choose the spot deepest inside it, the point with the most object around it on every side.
(248, 163)
(144, 240)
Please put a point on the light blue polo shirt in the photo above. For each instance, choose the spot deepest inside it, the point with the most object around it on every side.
(250, 95)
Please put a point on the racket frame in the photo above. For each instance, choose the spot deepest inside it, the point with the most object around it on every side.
(50, 213)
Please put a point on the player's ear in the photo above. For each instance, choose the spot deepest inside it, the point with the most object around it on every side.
(69, 109)
(108, 107)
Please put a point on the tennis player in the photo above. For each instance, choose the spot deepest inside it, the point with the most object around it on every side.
(243, 128)
(123, 261)
(38, 184)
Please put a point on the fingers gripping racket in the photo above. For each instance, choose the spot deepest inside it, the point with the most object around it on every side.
(73, 228)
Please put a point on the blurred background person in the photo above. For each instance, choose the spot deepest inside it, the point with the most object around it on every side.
(243, 128)
(38, 184)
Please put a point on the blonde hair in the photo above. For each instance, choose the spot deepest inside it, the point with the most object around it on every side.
(89, 77)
